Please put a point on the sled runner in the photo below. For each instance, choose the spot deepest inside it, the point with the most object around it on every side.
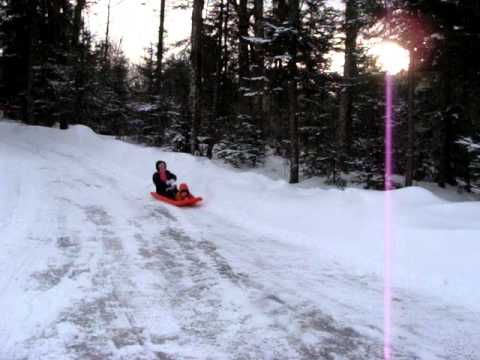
(187, 202)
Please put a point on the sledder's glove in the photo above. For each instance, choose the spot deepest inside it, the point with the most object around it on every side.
(171, 184)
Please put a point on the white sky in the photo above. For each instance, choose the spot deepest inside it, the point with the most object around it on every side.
(135, 23)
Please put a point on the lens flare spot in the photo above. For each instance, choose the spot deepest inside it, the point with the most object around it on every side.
(390, 56)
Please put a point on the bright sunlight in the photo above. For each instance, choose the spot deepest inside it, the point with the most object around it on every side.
(391, 57)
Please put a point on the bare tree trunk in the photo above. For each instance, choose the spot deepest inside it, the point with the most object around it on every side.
(259, 107)
(242, 45)
(446, 173)
(161, 30)
(225, 39)
(275, 115)
(151, 70)
(28, 97)
(243, 57)
(196, 79)
(292, 94)
(344, 126)
(217, 86)
(78, 60)
(53, 12)
(107, 35)
(409, 171)
(280, 10)
(77, 23)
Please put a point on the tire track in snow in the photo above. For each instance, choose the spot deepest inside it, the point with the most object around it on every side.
(307, 330)
(200, 307)
(74, 319)
(281, 268)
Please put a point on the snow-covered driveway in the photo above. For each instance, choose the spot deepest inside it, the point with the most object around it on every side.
(92, 268)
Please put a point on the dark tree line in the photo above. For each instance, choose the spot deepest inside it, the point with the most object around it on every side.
(53, 72)
(254, 79)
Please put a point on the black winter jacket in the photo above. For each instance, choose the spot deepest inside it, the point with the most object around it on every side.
(161, 187)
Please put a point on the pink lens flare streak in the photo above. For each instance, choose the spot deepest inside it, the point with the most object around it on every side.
(387, 265)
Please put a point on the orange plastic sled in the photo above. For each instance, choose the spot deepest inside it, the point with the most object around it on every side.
(187, 202)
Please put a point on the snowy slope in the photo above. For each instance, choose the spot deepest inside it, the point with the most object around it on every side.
(92, 267)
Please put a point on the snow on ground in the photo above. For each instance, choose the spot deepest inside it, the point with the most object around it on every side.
(91, 267)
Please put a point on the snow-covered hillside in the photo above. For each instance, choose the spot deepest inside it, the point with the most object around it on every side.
(91, 267)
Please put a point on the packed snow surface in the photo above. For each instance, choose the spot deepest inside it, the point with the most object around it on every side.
(92, 267)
